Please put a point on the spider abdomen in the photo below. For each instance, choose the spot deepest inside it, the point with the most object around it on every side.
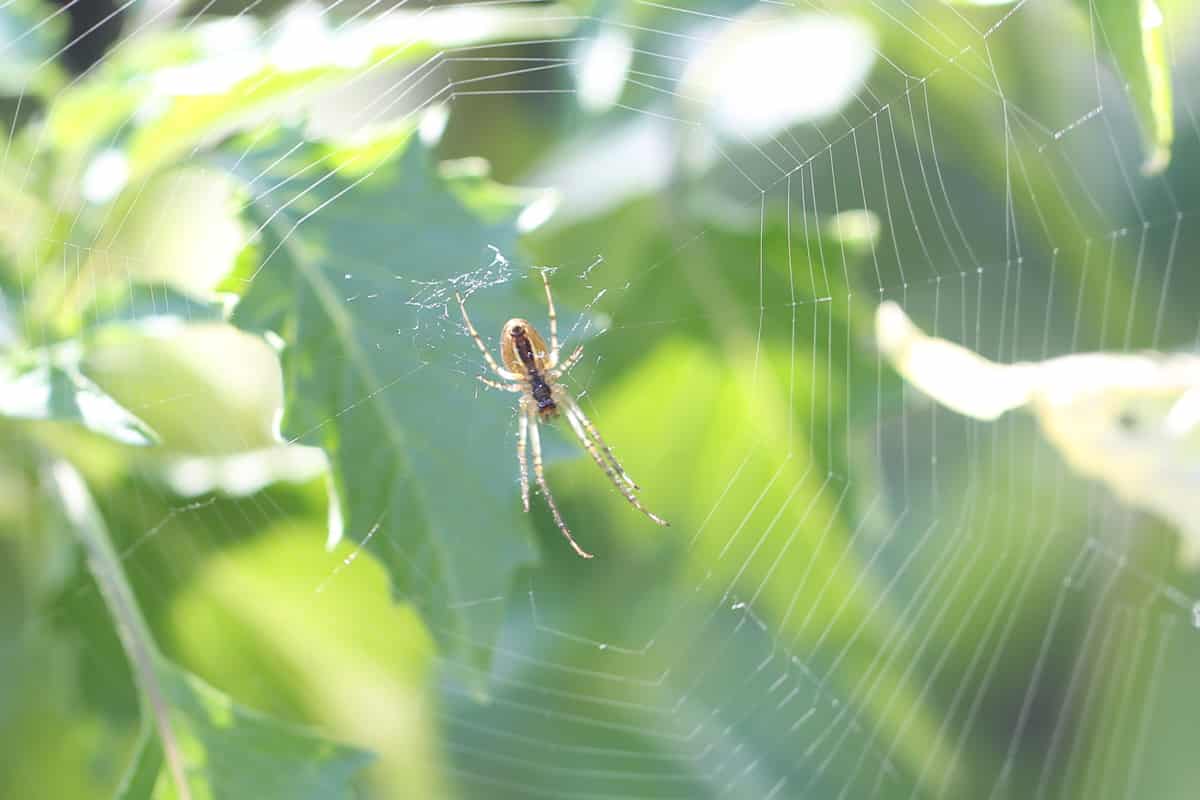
(547, 408)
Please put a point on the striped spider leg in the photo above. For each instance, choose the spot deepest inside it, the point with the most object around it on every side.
(533, 370)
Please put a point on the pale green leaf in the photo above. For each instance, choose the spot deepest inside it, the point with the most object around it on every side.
(192, 88)
(770, 70)
(205, 389)
(50, 386)
(233, 751)
(1129, 420)
(88, 112)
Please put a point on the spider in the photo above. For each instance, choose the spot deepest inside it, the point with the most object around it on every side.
(534, 372)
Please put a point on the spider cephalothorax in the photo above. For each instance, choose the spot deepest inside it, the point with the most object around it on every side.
(533, 370)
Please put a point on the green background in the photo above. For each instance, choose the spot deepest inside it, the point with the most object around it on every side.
(230, 239)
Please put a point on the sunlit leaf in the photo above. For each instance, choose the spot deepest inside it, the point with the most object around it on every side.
(359, 295)
(88, 112)
(205, 388)
(349, 626)
(769, 70)
(588, 173)
(191, 88)
(603, 65)
(50, 386)
(1130, 420)
(245, 473)
(857, 229)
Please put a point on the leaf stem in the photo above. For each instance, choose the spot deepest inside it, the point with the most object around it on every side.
(134, 633)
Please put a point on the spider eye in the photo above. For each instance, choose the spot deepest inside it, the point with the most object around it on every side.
(517, 330)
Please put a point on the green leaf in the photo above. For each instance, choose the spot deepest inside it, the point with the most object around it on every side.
(233, 751)
(87, 113)
(247, 620)
(205, 389)
(1132, 33)
(228, 74)
(379, 374)
(207, 746)
(50, 386)
(31, 32)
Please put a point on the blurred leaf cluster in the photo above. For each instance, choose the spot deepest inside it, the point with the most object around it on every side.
(259, 528)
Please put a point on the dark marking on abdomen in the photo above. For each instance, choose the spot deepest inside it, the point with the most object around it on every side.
(541, 393)
(538, 387)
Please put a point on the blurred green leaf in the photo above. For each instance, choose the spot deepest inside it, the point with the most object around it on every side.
(155, 254)
(31, 32)
(24, 223)
(1134, 664)
(204, 388)
(420, 463)
(799, 573)
(282, 622)
(967, 142)
(771, 69)
(1132, 33)
(207, 82)
(143, 772)
(785, 367)
(89, 111)
(49, 386)
(209, 746)
(232, 751)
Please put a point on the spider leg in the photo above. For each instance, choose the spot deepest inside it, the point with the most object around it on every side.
(496, 368)
(553, 321)
(574, 409)
(506, 387)
(522, 438)
(570, 361)
(539, 474)
(574, 416)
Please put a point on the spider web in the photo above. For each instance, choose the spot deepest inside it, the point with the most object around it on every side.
(863, 594)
